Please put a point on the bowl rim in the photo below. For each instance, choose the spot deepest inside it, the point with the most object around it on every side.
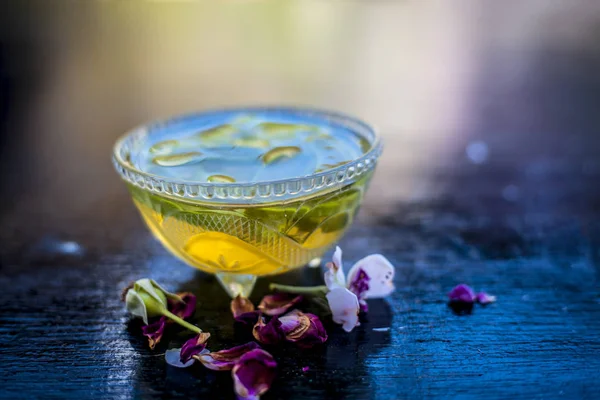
(264, 190)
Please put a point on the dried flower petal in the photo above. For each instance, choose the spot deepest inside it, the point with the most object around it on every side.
(241, 305)
(344, 307)
(185, 308)
(253, 374)
(248, 318)
(154, 331)
(194, 346)
(225, 359)
(381, 276)
(306, 330)
(334, 276)
(484, 298)
(173, 358)
(268, 333)
(462, 293)
(278, 303)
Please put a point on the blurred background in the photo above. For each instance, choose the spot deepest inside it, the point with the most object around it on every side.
(454, 87)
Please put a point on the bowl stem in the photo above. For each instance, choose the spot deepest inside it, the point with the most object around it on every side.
(235, 284)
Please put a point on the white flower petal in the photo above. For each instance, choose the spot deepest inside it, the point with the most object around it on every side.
(172, 357)
(344, 307)
(334, 276)
(381, 273)
(337, 257)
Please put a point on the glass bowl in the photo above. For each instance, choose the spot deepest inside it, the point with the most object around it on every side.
(239, 231)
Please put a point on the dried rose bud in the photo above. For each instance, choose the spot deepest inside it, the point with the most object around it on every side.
(147, 299)
(155, 331)
(306, 330)
(253, 374)
(278, 303)
(462, 293)
(484, 298)
(268, 333)
(193, 347)
(225, 359)
(241, 305)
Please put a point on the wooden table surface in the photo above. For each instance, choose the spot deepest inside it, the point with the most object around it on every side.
(490, 177)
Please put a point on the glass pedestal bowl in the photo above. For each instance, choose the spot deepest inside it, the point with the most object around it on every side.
(239, 231)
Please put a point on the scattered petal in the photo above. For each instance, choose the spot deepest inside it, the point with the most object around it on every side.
(305, 369)
(334, 276)
(306, 330)
(380, 273)
(194, 346)
(241, 305)
(344, 307)
(253, 374)
(154, 331)
(225, 359)
(278, 303)
(185, 308)
(462, 293)
(484, 298)
(268, 333)
(248, 318)
(173, 358)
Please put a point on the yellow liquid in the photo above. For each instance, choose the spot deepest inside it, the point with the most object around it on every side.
(258, 239)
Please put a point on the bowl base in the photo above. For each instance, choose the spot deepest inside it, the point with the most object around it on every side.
(236, 284)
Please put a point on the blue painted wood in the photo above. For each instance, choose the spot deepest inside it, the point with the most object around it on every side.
(523, 224)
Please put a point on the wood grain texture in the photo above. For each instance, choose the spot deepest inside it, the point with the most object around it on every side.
(522, 223)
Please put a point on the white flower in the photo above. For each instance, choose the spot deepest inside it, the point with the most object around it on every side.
(371, 277)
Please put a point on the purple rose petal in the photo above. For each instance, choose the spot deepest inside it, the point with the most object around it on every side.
(183, 309)
(278, 303)
(248, 318)
(193, 347)
(154, 331)
(306, 330)
(225, 359)
(253, 374)
(268, 333)
(484, 298)
(462, 293)
(241, 305)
